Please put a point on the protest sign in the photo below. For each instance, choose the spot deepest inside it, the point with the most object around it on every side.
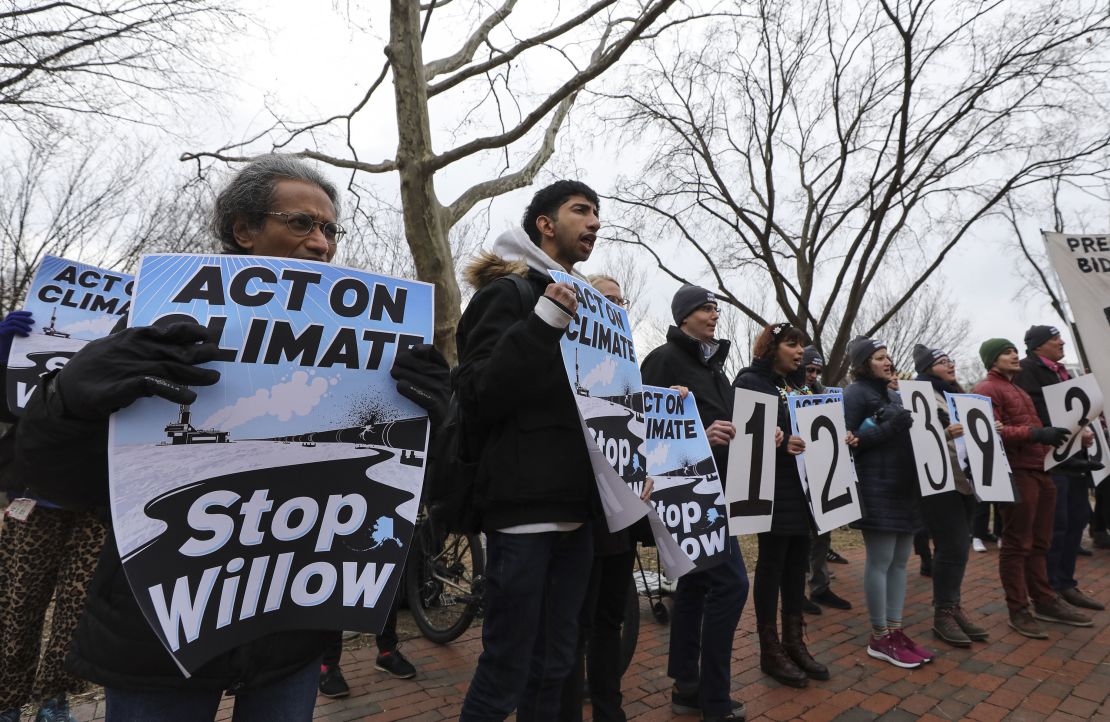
(980, 448)
(750, 494)
(834, 390)
(930, 445)
(1082, 263)
(1099, 452)
(825, 467)
(601, 366)
(72, 303)
(1071, 405)
(284, 497)
(688, 496)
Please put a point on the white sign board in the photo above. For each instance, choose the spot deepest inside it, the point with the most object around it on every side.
(827, 463)
(1072, 405)
(1100, 452)
(750, 492)
(930, 446)
(987, 464)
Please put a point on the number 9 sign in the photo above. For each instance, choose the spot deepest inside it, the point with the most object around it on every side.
(988, 467)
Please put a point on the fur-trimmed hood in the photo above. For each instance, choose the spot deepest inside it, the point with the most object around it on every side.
(512, 252)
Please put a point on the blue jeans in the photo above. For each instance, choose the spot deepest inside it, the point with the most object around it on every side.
(289, 699)
(707, 607)
(535, 586)
(1072, 514)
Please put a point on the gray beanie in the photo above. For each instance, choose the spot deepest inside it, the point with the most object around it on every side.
(689, 299)
(924, 357)
(812, 357)
(860, 349)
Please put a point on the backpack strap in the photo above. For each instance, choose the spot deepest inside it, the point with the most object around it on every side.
(525, 290)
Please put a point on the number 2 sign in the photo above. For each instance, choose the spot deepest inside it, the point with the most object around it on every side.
(930, 447)
(826, 465)
(986, 458)
(1072, 405)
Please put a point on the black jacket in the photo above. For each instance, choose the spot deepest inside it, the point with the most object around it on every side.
(680, 362)
(1034, 376)
(533, 465)
(791, 515)
(888, 486)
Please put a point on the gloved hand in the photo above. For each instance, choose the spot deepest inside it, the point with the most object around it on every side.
(900, 419)
(113, 372)
(424, 378)
(16, 323)
(1051, 435)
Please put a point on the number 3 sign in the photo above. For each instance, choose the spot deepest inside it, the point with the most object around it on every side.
(930, 448)
(826, 465)
(986, 458)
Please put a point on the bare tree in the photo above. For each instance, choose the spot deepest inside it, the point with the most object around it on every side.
(810, 151)
(489, 72)
(101, 57)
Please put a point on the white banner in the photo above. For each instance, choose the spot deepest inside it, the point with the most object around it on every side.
(1100, 452)
(1083, 264)
(750, 493)
(1072, 405)
(987, 465)
(827, 463)
(930, 446)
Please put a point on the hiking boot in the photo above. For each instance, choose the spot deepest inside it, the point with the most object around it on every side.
(972, 630)
(926, 655)
(55, 709)
(394, 663)
(1023, 623)
(1077, 598)
(332, 683)
(947, 629)
(888, 649)
(809, 607)
(834, 558)
(793, 641)
(775, 662)
(831, 600)
(1060, 613)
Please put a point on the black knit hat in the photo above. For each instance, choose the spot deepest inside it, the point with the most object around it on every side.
(924, 358)
(812, 357)
(860, 349)
(689, 299)
(1038, 335)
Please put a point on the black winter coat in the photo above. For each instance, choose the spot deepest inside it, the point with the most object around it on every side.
(533, 464)
(1034, 376)
(889, 492)
(114, 645)
(791, 514)
(680, 362)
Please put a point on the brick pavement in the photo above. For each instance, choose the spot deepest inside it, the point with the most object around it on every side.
(1066, 677)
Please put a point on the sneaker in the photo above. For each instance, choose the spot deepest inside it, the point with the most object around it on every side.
(394, 663)
(990, 538)
(809, 607)
(1023, 623)
(1060, 613)
(902, 638)
(888, 650)
(978, 545)
(1077, 598)
(834, 558)
(690, 703)
(829, 599)
(55, 709)
(332, 683)
(1083, 551)
(738, 714)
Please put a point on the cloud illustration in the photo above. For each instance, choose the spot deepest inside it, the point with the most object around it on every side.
(91, 328)
(658, 455)
(295, 397)
(602, 373)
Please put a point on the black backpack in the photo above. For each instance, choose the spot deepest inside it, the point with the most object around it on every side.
(450, 491)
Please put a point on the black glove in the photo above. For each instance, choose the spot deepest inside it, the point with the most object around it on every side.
(900, 419)
(1051, 435)
(424, 378)
(112, 372)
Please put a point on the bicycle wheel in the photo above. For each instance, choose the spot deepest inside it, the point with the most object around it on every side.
(630, 631)
(444, 581)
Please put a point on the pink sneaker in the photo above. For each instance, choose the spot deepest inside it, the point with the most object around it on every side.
(901, 637)
(890, 650)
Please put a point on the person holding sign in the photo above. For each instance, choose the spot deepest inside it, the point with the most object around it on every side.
(890, 496)
(707, 603)
(1041, 367)
(535, 486)
(947, 515)
(1027, 523)
(276, 205)
(783, 551)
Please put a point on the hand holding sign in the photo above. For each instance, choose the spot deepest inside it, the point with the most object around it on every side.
(930, 449)
(1072, 405)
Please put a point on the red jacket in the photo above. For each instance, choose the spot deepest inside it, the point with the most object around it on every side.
(1014, 408)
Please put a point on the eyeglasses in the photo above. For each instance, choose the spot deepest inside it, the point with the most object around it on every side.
(622, 302)
(813, 370)
(945, 362)
(302, 224)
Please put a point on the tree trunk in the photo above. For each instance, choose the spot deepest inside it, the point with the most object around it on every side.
(425, 230)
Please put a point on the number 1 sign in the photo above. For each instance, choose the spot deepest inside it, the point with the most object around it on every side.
(930, 448)
(750, 491)
(986, 458)
(826, 464)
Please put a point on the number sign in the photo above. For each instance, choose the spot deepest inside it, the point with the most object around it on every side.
(930, 447)
(1072, 405)
(826, 466)
(986, 458)
(750, 491)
